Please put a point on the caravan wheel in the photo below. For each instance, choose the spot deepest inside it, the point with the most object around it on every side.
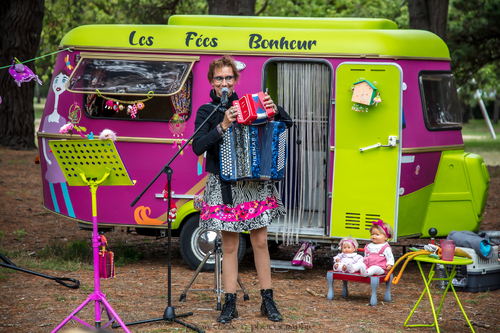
(196, 242)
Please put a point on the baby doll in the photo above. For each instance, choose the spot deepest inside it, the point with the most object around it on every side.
(378, 258)
(347, 260)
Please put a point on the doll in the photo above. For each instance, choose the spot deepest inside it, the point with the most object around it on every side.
(347, 260)
(378, 258)
(172, 213)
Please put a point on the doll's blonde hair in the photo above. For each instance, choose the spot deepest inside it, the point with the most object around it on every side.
(351, 239)
(387, 227)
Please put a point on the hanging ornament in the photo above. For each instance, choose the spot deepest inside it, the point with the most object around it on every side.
(115, 107)
(177, 125)
(75, 113)
(121, 107)
(140, 105)
(109, 105)
(133, 111)
(22, 73)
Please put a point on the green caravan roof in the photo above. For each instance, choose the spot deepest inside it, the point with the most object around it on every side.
(290, 42)
(282, 22)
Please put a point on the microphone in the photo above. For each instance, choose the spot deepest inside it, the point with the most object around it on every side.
(224, 91)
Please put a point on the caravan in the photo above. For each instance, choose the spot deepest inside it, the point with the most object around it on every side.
(377, 131)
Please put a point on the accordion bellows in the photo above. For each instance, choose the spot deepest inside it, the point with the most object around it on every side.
(254, 152)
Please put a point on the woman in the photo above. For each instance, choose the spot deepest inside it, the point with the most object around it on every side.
(223, 199)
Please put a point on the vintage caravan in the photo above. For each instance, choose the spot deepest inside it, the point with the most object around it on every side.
(376, 135)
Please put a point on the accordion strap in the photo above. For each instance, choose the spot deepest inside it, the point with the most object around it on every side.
(227, 194)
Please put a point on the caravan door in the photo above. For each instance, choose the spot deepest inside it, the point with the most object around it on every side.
(367, 147)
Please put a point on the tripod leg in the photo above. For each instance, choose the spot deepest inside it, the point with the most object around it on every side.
(189, 326)
(195, 275)
(218, 278)
(245, 295)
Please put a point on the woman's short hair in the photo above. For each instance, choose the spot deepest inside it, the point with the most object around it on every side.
(225, 61)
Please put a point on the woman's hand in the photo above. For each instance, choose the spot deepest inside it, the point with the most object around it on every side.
(229, 117)
(268, 103)
(388, 267)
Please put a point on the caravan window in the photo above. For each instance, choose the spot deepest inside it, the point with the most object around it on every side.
(440, 101)
(136, 87)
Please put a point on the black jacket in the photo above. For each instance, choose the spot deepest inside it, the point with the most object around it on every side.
(208, 138)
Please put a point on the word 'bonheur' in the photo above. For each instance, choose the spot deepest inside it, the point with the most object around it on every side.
(256, 41)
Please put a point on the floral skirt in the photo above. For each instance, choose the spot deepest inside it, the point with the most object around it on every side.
(255, 205)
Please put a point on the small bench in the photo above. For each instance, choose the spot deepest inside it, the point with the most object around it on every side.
(374, 281)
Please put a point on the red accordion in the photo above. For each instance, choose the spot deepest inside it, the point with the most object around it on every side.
(252, 110)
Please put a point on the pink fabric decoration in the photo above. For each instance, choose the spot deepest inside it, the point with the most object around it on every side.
(22, 73)
(107, 134)
(244, 211)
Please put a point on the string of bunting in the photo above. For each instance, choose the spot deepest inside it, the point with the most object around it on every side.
(45, 55)
(150, 96)
(117, 104)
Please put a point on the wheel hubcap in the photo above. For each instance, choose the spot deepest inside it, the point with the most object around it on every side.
(202, 242)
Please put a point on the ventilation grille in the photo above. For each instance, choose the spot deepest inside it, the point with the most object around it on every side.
(360, 221)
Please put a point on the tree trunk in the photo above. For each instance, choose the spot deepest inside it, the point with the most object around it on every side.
(430, 15)
(466, 111)
(496, 109)
(223, 7)
(21, 24)
(246, 8)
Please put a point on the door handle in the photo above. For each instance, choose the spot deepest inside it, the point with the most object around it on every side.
(393, 142)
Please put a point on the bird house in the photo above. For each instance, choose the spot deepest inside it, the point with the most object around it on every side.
(364, 92)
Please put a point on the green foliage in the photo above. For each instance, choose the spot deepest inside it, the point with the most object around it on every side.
(473, 30)
(126, 254)
(19, 234)
(75, 251)
(389, 9)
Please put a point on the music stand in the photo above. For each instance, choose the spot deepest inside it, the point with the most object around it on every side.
(218, 273)
(92, 163)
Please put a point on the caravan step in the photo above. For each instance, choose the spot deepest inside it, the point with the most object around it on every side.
(283, 264)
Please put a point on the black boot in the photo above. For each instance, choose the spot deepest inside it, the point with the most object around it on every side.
(228, 309)
(268, 307)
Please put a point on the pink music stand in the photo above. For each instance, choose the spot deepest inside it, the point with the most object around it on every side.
(92, 163)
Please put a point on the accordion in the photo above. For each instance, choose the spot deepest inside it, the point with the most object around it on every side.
(251, 109)
(254, 152)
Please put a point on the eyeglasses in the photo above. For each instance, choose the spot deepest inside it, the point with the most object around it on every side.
(219, 79)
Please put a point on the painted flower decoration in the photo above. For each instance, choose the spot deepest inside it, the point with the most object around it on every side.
(65, 129)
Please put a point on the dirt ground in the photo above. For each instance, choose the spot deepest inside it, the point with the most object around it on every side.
(32, 304)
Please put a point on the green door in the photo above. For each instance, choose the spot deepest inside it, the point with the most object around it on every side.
(367, 147)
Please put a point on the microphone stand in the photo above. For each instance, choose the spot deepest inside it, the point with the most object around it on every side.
(169, 314)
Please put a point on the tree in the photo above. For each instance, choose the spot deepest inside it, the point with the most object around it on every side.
(430, 15)
(474, 37)
(21, 23)
(234, 7)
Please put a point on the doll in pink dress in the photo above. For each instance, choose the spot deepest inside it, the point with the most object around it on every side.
(347, 260)
(378, 258)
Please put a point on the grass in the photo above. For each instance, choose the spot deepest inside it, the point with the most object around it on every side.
(478, 140)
